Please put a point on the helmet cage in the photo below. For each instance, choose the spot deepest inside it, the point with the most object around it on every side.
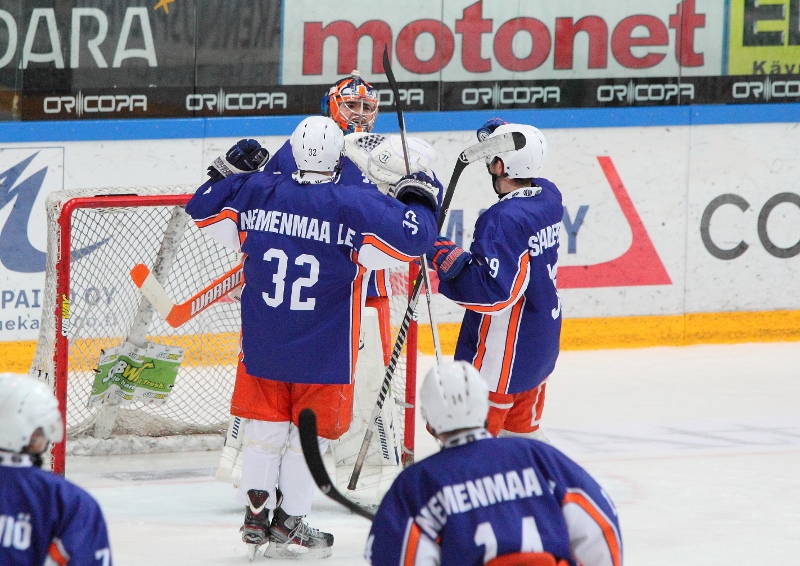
(352, 104)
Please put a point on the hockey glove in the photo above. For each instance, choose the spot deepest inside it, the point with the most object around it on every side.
(447, 258)
(244, 157)
(490, 126)
(418, 187)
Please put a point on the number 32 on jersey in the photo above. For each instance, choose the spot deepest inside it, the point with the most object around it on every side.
(297, 286)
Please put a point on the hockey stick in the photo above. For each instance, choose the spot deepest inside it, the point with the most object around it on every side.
(176, 315)
(387, 67)
(308, 441)
(510, 141)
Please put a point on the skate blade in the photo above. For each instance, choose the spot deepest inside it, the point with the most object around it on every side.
(252, 551)
(296, 551)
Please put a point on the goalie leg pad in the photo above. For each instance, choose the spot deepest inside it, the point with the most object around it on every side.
(382, 464)
(229, 469)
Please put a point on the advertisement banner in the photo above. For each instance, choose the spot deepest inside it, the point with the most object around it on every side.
(764, 38)
(130, 374)
(187, 58)
(465, 40)
(27, 176)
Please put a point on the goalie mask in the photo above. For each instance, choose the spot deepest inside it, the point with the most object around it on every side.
(352, 104)
(29, 415)
(454, 396)
(317, 144)
(380, 158)
(524, 163)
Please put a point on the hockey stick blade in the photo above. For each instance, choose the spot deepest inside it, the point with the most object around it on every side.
(510, 141)
(176, 315)
(308, 441)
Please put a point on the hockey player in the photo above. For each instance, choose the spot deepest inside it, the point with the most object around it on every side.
(485, 500)
(308, 244)
(507, 282)
(44, 519)
(352, 103)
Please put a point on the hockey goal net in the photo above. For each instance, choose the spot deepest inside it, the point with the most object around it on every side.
(95, 237)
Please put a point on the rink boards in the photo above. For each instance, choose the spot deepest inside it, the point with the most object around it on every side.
(681, 225)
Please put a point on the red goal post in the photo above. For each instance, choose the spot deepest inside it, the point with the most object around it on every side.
(90, 304)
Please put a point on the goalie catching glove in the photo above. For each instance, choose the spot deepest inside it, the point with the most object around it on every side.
(418, 187)
(380, 158)
(244, 157)
(447, 258)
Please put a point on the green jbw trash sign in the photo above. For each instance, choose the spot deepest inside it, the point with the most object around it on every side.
(127, 373)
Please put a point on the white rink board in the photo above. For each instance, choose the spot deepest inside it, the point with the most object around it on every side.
(670, 173)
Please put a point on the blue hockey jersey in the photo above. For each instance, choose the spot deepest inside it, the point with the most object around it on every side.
(379, 284)
(512, 327)
(46, 520)
(308, 248)
(493, 497)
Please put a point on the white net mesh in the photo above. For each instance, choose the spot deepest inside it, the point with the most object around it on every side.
(105, 243)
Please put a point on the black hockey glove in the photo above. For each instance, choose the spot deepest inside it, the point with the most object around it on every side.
(244, 157)
(447, 258)
(418, 187)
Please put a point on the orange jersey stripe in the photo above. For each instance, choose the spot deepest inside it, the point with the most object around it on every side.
(355, 309)
(373, 241)
(380, 282)
(608, 530)
(225, 214)
(55, 554)
(480, 353)
(412, 545)
(511, 339)
(516, 289)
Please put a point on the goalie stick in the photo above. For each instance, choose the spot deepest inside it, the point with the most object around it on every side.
(176, 315)
(510, 141)
(308, 441)
(387, 67)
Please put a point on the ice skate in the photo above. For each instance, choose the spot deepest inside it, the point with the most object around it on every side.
(256, 521)
(291, 537)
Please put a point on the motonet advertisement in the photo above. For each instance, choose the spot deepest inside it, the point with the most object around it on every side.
(467, 40)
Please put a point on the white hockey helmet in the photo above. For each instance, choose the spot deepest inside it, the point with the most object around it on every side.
(26, 405)
(454, 396)
(382, 158)
(524, 163)
(317, 144)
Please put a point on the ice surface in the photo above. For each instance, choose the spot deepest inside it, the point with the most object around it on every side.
(699, 447)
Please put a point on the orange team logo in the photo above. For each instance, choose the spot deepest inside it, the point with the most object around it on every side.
(163, 4)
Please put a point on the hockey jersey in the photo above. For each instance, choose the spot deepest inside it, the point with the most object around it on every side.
(308, 248)
(46, 520)
(493, 497)
(379, 283)
(512, 326)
